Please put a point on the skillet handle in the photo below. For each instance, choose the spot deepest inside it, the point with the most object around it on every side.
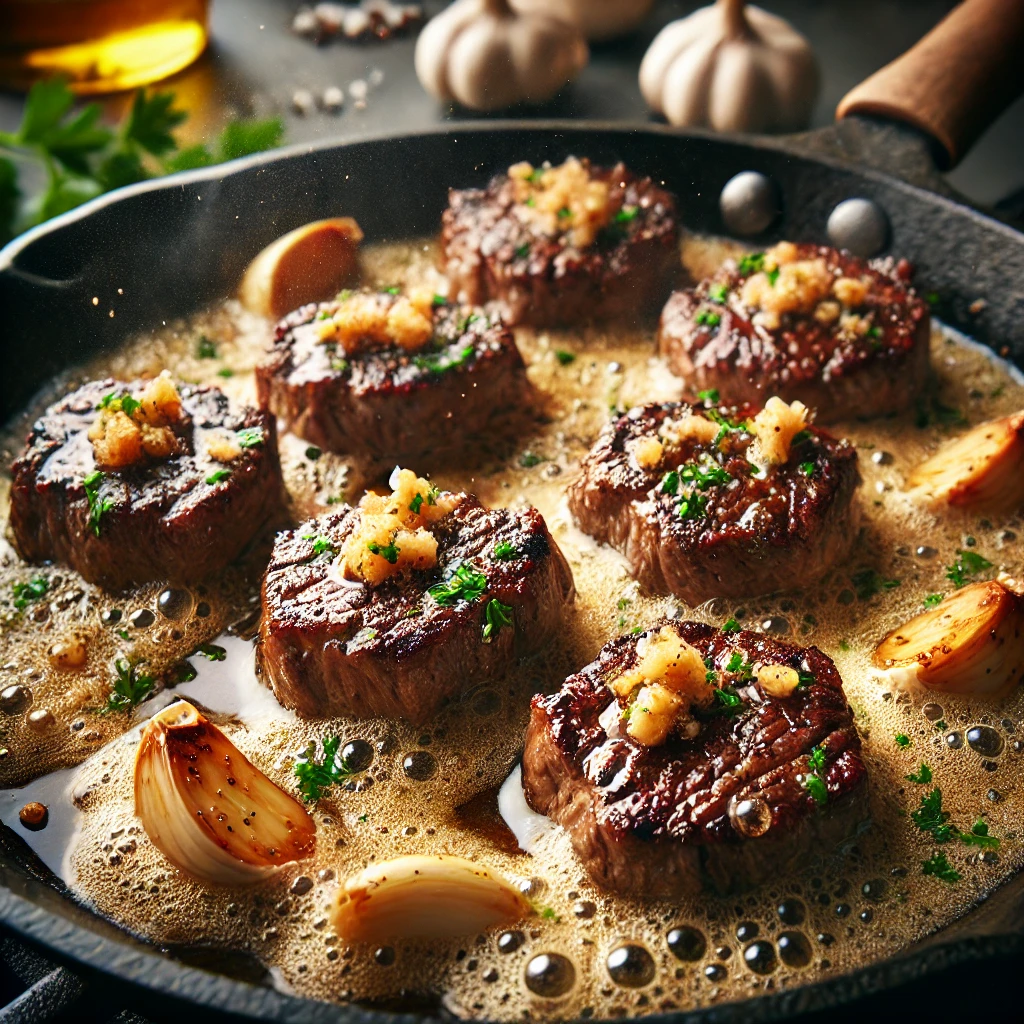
(955, 81)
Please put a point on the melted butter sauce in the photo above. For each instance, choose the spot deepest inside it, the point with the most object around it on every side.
(436, 789)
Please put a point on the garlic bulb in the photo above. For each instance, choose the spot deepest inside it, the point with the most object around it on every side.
(982, 469)
(596, 19)
(972, 643)
(208, 809)
(483, 55)
(413, 897)
(731, 68)
(308, 264)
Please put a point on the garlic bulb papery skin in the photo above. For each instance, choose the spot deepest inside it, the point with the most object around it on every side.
(733, 68)
(596, 19)
(483, 55)
(208, 809)
(439, 896)
(971, 643)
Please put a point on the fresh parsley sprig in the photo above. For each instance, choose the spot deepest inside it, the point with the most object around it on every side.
(464, 584)
(968, 563)
(97, 506)
(25, 593)
(131, 687)
(814, 779)
(315, 776)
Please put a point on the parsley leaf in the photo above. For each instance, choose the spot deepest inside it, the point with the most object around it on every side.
(320, 543)
(464, 584)
(316, 776)
(389, 552)
(718, 293)
(242, 138)
(868, 582)
(130, 688)
(922, 776)
(931, 818)
(707, 319)
(496, 615)
(505, 552)
(731, 626)
(213, 652)
(250, 437)
(978, 836)
(692, 506)
(729, 701)
(445, 360)
(709, 397)
(416, 504)
(564, 357)
(626, 214)
(218, 476)
(932, 600)
(25, 593)
(940, 867)
(530, 459)
(814, 780)
(807, 468)
(151, 121)
(751, 264)
(97, 506)
(902, 740)
(670, 482)
(968, 563)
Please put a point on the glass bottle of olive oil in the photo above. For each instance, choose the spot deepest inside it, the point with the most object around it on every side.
(99, 45)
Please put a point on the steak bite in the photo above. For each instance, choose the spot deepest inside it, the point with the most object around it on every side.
(127, 483)
(560, 245)
(393, 377)
(688, 756)
(845, 336)
(705, 502)
(393, 608)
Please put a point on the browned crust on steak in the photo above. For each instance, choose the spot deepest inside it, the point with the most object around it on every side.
(391, 404)
(654, 821)
(490, 254)
(841, 376)
(328, 647)
(802, 525)
(166, 522)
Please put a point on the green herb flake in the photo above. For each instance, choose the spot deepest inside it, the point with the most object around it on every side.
(978, 836)
(548, 914)
(731, 626)
(98, 506)
(439, 300)
(505, 552)
(707, 319)
(464, 584)
(25, 593)
(844, 645)
(922, 776)
(393, 290)
(250, 437)
(389, 552)
(226, 372)
(729, 701)
(807, 468)
(205, 348)
(968, 563)
(564, 357)
(627, 214)
(931, 818)
(932, 600)
(814, 779)
(718, 293)
(313, 453)
(131, 688)
(939, 867)
(709, 397)
(523, 251)
(317, 775)
(753, 263)
(902, 740)
(496, 616)
(218, 476)
(321, 544)
(670, 482)
(692, 506)
(416, 504)
(445, 360)
(868, 582)
(529, 459)
(773, 276)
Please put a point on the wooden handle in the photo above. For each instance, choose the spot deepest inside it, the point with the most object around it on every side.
(956, 80)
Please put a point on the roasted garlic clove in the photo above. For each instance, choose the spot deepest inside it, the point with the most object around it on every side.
(208, 809)
(434, 897)
(309, 264)
(982, 469)
(973, 642)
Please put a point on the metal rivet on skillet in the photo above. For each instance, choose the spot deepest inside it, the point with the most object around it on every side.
(859, 225)
(749, 203)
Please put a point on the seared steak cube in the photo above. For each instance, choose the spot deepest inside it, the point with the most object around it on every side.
(845, 336)
(685, 493)
(122, 501)
(762, 782)
(563, 245)
(404, 644)
(394, 379)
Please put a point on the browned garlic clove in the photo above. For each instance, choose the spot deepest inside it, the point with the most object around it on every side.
(982, 469)
(309, 264)
(208, 809)
(433, 897)
(973, 642)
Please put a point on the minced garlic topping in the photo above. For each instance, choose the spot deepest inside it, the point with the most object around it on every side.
(562, 199)
(367, 320)
(393, 532)
(131, 429)
(648, 452)
(223, 446)
(668, 679)
(774, 428)
(787, 284)
(690, 426)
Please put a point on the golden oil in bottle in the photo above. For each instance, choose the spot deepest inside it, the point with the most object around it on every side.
(99, 45)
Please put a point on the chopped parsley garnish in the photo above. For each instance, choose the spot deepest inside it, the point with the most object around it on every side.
(807, 468)
(968, 563)
(726, 425)
(218, 476)
(564, 212)
(751, 264)
(874, 332)
(978, 836)
(693, 506)
(773, 276)
(389, 552)
(226, 372)
(26, 593)
(465, 584)
(707, 319)
(932, 600)
(565, 358)
(804, 678)
(737, 665)
(701, 475)
(416, 504)
(731, 626)
(523, 251)
(313, 453)
(902, 739)
(470, 318)
(729, 701)
(709, 397)
(814, 780)
(446, 360)
(922, 776)
(868, 582)
(393, 290)
(496, 615)
(213, 652)
(549, 914)
(122, 403)
(339, 365)
(718, 293)
(320, 543)
(505, 552)
(940, 867)
(844, 645)
(97, 505)
(626, 214)
(205, 349)
(804, 435)
(670, 482)
(439, 300)
(529, 459)
(316, 776)
(250, 437)
(130, 688)
(931, 818)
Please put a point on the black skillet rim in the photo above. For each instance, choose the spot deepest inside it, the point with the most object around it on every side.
(145, 967)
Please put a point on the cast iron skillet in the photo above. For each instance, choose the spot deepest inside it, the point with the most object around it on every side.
(160, 250)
